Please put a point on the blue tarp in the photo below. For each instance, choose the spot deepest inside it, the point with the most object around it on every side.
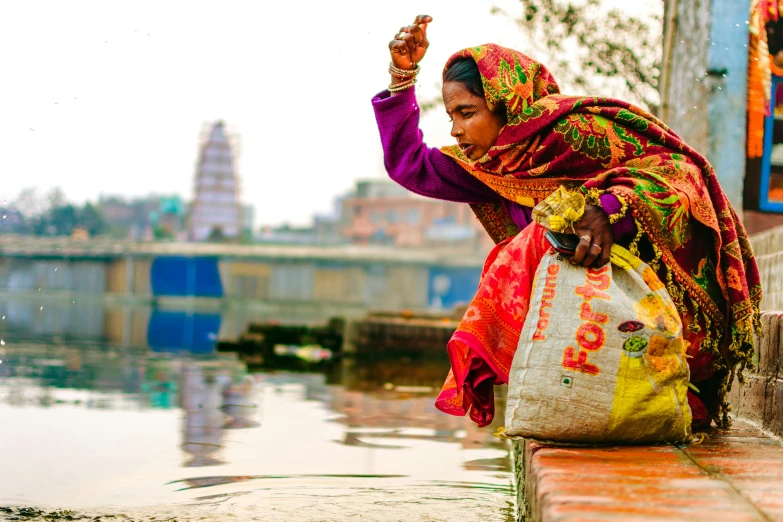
(451, 286)
(186, 276)
(182, 331)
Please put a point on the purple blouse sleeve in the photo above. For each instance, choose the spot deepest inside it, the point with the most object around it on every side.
(429, 172)
(625, 226)
(415, 166)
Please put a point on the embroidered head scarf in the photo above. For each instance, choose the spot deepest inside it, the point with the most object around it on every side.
(688, 231)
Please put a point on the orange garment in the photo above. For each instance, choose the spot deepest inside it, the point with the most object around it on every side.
(482, 348)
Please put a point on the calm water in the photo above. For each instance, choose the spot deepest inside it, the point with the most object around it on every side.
(157, 436)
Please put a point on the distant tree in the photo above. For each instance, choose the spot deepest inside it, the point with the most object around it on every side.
(601, 52)
(52, 215)
(161, 232)
(246, 238)
(216, 235)
(55, 198)
(59, 221)
(91, 219)
(30, 203)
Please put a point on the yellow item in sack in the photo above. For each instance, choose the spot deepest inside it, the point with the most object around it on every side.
(612, 368)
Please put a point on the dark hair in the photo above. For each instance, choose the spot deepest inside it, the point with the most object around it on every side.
(465, 71)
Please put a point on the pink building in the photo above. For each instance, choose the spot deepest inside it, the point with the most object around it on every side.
(382, 212)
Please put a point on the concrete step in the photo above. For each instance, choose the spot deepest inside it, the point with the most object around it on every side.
(735, 475)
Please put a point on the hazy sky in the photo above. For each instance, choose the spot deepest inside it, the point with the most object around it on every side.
(110, 97)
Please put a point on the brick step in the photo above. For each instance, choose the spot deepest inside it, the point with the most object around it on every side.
(735, 475)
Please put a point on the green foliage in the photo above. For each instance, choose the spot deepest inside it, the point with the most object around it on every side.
(91, 219)
(603, 53)
(160, 232)
(216, 235)
(52, 215)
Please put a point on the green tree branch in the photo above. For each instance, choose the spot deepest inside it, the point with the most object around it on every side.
(604, 53)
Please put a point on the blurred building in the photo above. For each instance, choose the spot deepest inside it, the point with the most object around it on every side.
(138, 218)
(382, 212)
(248, 218)
(216, 212)
(287, 235)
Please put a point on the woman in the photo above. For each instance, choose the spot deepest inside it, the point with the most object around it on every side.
(518, 140)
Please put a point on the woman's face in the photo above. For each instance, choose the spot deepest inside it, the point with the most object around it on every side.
(474, 126)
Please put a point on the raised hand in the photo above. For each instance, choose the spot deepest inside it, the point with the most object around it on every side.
(410, 44)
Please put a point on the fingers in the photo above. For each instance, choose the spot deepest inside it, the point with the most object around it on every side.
(398, 47)
(593, 250)
(417, 33)
(400, 52)
(410, 41)
(413, 35)
(596, 238)
(421, 22)
(419, 30)
(606, 250)
(583, 248)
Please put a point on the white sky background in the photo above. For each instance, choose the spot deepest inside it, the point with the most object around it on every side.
(116, 93)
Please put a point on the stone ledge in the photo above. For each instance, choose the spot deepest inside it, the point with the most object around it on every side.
(771, 275)
(768, 241)
(760, 398)
(735, 475)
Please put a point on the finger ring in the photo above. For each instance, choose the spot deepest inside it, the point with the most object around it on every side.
(597, 246)
(586, 238)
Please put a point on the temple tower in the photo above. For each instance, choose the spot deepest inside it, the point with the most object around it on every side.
(216, 212)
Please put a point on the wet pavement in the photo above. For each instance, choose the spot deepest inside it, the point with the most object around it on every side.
(121, 434)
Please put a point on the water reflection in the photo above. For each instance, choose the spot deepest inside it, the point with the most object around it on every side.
(86, 426)
(58, 317)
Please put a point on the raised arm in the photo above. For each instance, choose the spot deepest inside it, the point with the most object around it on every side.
(415, 166)
(408, 160)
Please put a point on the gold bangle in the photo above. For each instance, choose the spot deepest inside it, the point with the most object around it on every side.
(397, 87)
(403, 73)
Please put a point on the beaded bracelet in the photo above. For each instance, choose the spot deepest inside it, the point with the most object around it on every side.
(617, 216)
(403, 73)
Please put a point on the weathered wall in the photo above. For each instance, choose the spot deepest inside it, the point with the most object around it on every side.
(727, 73)
(704, 86)
(684, 108)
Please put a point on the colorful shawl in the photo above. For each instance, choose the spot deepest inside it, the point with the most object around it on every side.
(687, 230)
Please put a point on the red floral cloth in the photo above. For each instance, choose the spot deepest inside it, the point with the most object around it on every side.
(688, 231)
